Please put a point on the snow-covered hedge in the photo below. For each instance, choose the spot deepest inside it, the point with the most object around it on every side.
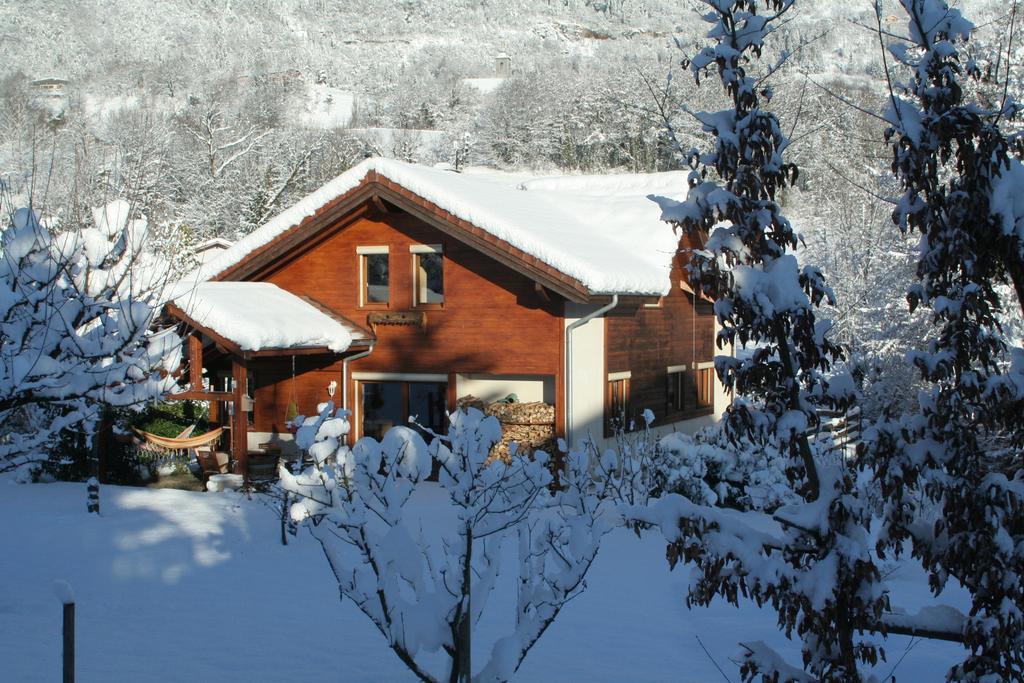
(708, 470)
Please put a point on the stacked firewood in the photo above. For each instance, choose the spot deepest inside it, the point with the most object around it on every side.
(530, 425)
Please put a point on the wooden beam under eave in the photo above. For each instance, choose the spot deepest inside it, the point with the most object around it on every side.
(239, 419)
(303, 351)
(280, 353)
(195, 362)
(625, 300)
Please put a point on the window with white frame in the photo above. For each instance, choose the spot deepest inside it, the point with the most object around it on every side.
(374, 277)
(428, 274)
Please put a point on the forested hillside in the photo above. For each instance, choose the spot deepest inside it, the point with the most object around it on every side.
(211, 116)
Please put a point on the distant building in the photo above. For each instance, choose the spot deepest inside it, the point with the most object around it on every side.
(502, 71)
(210, 249)
(50, 95)
(50, 86)
(502, 66)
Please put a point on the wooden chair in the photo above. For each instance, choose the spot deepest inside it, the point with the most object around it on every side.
(211, 462)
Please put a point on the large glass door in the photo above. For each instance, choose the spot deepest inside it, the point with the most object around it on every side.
(387, 404)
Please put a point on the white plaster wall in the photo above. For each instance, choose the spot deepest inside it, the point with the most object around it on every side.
(587, 374)
(495, 387)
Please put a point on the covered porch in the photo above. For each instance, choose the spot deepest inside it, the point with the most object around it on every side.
(259, 356)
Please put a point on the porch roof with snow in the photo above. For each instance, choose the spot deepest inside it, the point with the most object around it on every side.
(582, 236)
(261, 318)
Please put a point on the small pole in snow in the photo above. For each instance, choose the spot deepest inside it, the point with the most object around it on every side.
(67, 598)
(92, 487)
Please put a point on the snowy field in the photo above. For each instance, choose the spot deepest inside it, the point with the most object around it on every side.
(175, 585)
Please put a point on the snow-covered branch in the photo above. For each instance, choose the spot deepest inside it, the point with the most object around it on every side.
(76, 315)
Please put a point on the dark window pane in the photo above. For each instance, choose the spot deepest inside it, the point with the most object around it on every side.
(382, 407)
(675, 391)
(429, 279)
(428, 403)
(376, 266)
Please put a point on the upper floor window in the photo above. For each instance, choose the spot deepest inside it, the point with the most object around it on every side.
(374, 276)
(428, 274)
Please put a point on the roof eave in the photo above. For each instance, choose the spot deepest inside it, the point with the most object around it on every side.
(374, 184)
(233, 348)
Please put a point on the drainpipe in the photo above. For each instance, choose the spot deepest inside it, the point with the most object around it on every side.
(568, 361)
(344, 374)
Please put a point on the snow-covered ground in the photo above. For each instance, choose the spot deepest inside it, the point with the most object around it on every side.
(326, 107)
(174, 585)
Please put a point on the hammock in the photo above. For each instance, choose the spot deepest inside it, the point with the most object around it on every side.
(181, 444)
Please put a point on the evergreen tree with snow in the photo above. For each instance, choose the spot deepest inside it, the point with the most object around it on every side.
(952, 474)
(810, 560)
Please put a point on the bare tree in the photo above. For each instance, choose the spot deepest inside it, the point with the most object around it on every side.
(426, 589)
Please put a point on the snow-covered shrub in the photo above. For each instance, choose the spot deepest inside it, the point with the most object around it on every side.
(709, 469)
(76, 309)
(625, 472)
(811, 560)
(424, 583)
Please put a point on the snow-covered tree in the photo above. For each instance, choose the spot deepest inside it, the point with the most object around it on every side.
(76, 336)
(952, 474)
(425, 583)
(811, 559)
(842, 208)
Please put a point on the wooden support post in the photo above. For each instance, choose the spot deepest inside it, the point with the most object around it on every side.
(453, 393)
(195, 362)
(239, 419)
(69, 642)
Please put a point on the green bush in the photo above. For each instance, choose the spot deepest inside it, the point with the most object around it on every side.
(172, 418)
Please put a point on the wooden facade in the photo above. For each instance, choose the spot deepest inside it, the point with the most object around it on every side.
(503, 314)
(493, 320)
(647, 340)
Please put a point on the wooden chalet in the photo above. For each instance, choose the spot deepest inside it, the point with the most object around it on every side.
(396, 289)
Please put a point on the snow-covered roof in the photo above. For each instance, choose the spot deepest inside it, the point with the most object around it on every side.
(258, 316)
(605, 231)
(211, 243)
